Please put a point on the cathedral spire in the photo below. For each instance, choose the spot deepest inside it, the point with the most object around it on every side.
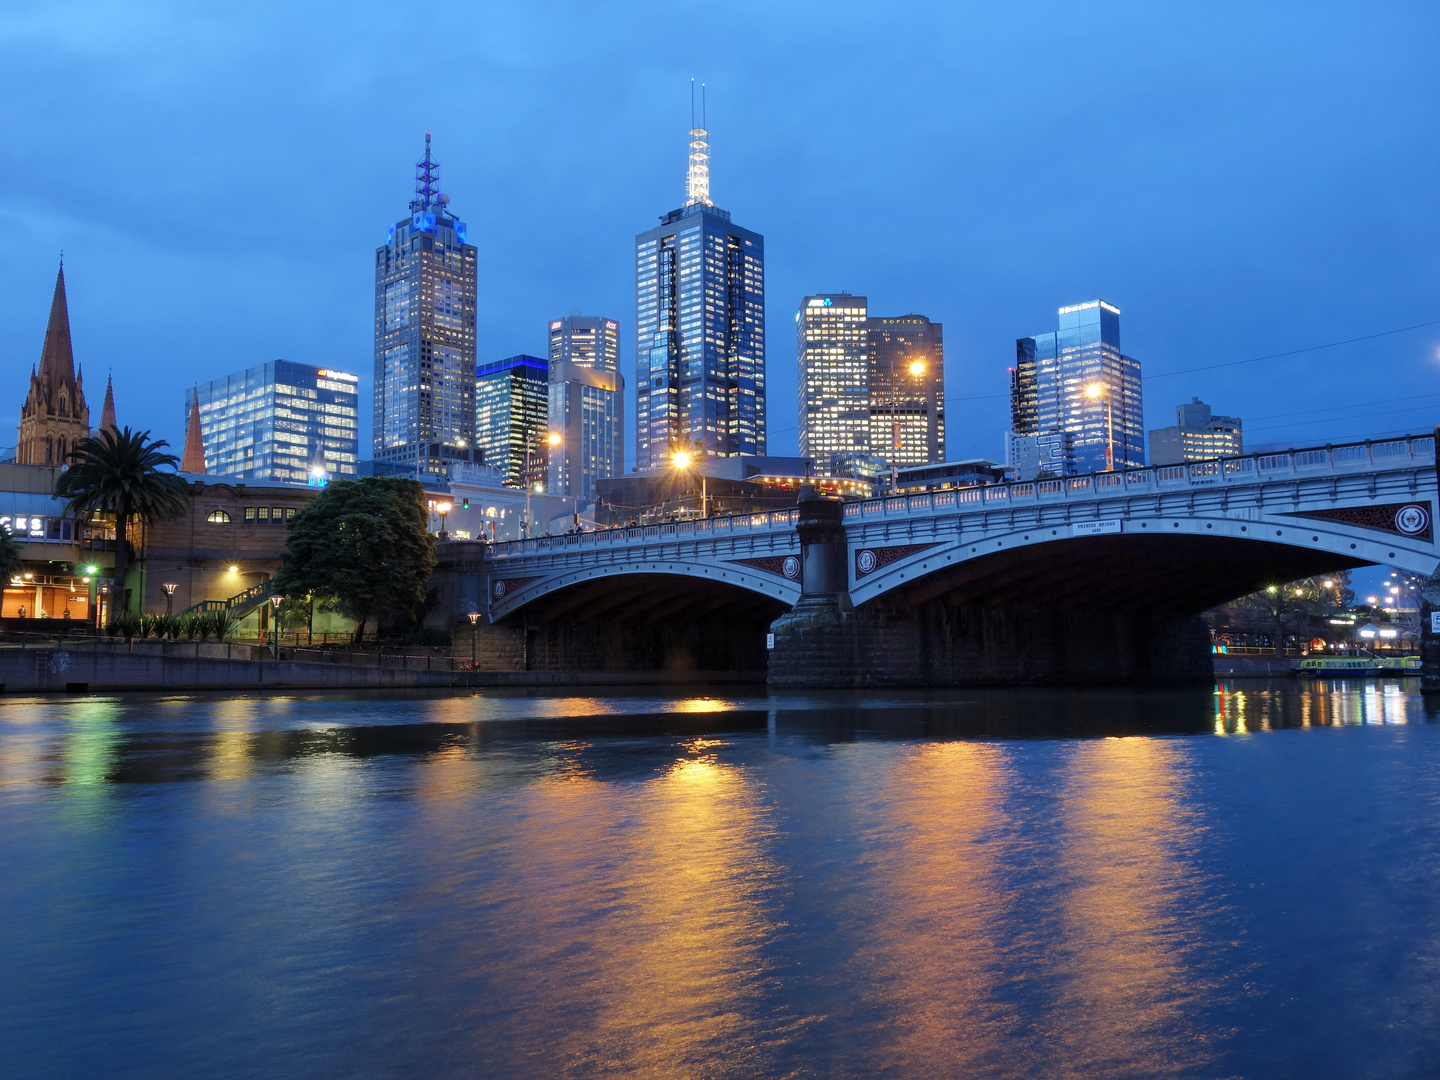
(193, 459)
(107, 411)
(57, 360)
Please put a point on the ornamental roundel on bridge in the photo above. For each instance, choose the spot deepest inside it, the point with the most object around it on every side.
(787, 566)
(1407, 519)
(868, 560)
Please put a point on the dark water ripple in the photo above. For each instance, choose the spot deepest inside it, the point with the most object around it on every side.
(996, 884)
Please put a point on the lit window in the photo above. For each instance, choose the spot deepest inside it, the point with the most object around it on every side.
(218, 517)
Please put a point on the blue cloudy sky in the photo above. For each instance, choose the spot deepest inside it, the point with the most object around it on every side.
(1240, 179)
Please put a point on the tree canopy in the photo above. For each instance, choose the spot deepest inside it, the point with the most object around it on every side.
(10, 561)
(128, 474)
(362, 549)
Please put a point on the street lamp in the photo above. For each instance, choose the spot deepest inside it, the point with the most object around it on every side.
(474, 617)
(551, 439)
(443, 509)
(1094, 392)
(682, 460)
(169, 588)
(276, 600)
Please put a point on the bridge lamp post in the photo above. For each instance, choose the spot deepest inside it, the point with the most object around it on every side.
(551, 440)
(682, 460)
(443, 509)
(474, 617)
(169, 588)
(1094, 392)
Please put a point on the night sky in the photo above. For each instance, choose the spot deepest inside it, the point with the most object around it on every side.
(1238, 182)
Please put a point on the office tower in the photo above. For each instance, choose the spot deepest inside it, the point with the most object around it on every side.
(54, 416)
(586, 405)
(1077, 380)
(587, 340)
(425, 332)
(280, 421)
(1198, 435)
(511, 410)
(907, 389)
(699, 328)
(833, 379)
(586, 416)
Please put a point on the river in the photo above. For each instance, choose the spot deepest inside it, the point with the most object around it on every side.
(1004, 883)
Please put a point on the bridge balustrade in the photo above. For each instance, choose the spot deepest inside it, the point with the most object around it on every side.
(1243, 470)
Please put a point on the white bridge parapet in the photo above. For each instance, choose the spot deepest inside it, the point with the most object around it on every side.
(1372, 501)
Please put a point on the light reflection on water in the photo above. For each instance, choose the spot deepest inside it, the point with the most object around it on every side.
(987, 883)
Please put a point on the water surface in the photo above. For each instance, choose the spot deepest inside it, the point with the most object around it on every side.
(997, 883)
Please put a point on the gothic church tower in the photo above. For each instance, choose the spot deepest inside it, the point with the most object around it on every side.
(54, 417)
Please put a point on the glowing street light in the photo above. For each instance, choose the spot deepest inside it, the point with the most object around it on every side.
(443, 509)
(681, 461)
(916, 369)
(474, 617)
(169, 588)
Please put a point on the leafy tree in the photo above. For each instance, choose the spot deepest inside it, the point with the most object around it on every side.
(361, 548)
(10, 561)
(1296, 606)
(123, 473)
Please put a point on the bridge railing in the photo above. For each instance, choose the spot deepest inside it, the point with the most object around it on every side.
(1339, 458)
(669, 530)
(1310, 461)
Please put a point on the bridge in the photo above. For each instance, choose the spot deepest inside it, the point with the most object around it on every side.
(1085, 578)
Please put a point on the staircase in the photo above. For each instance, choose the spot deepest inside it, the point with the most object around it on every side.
(239, 605)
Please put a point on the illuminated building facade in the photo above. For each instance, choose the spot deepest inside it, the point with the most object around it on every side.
(279, 421)
(586, 405)
(699, 329)
(1198, 435)
(833, 377)
(587, 340)
(907, 389)
(1077, 380)
(425, 332)
(511, 412)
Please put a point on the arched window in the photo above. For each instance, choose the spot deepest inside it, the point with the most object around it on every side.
(218, 517)
(61, 456)
(64, 404)
(49, 450)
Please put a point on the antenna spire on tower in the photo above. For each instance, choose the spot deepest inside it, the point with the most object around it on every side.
(697, 181)
(427, 180)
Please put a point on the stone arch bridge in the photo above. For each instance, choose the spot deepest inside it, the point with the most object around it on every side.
(1086, 578)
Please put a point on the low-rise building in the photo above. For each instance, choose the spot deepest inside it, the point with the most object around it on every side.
(1198, 435)
(972, 472)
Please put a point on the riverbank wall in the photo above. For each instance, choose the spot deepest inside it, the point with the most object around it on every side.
(69, 670)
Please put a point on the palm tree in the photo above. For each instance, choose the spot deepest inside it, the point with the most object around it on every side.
(121, 472)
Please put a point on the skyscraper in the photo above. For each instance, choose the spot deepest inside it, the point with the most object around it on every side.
(588, 340)
(699, 328)
(1077, 380)
(425, 332)
(278, 421)
(512, 407)
(586, 405)
(54, 415)
(907, 389)
(831, 350)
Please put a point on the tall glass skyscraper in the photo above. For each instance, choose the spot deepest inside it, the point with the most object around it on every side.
(425, 332)
(586, 405)
(699, 328)
(511, 417)
(833, 377)
(1077, 380)
(279, 421)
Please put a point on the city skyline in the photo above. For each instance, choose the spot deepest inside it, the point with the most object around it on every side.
(1181, 242)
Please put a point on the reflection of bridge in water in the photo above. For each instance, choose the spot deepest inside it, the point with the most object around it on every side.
(1088, 578)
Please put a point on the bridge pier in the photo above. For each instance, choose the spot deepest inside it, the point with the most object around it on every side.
(826, 642)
